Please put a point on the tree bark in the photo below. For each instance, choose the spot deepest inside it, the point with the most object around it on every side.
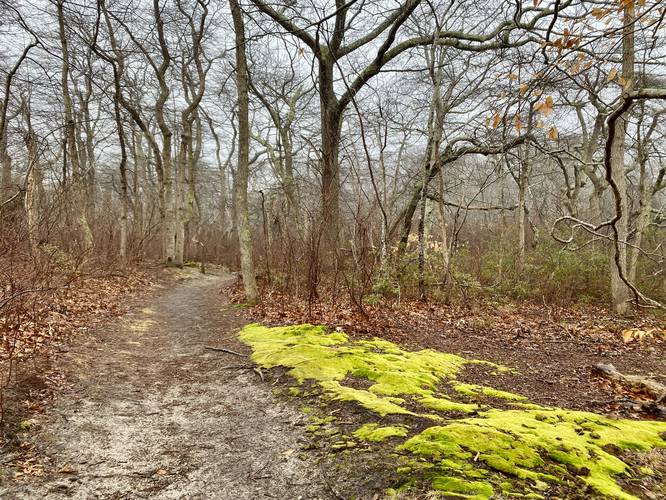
(242, 171)
(70, 143)
(33, 192)
(620, 292)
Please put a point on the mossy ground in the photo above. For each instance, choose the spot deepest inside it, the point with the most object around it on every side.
(452, 432)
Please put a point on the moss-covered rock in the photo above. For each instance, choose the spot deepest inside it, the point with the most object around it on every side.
(523, 451)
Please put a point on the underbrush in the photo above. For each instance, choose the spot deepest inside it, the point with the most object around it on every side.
(48, 295)
(549, 273)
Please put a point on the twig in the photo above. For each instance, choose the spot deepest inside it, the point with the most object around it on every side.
(222, 349)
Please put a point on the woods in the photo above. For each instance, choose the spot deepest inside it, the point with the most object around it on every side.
(420, 171)
(383, 146)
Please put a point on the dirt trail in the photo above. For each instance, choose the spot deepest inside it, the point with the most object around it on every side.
(151, 413)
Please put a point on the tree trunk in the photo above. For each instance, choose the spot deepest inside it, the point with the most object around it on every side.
(6, 161)
(331, 123)
(620, 292)
(70, 143)
(33, 189)
(242, 173)
(446, 255)
(522, 210)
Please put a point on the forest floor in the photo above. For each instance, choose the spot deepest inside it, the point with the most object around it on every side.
(554, 348)
(148, 410)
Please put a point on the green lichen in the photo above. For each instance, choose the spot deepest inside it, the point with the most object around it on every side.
(466, 457)
(374, 433)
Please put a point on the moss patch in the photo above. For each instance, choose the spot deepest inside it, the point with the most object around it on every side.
(455, 487)
(329, 358)
(373, 432)
(473, 456)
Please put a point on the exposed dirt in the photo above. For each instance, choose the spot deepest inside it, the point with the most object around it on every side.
(148, 411)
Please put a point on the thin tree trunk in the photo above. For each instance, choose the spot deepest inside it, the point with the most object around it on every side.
(620, 293)
(522, 210)
(33, 190)
(242, 172)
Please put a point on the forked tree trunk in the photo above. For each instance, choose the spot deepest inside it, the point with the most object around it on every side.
(70, 150)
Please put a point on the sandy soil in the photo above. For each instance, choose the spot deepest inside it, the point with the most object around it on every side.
(149, 412)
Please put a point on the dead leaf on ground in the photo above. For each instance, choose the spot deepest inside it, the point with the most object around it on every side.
(632, 334)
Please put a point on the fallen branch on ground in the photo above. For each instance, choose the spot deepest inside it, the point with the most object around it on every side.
(222, 349)
(651, 387)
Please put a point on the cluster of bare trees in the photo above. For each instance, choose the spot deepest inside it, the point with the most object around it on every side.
(356, 141)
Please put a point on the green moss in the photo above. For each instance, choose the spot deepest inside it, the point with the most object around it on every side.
(442, 404)
(342, 445)
(458, 488)
(373, 432)
(526, 443)
(321, 420)
(536, 446)
(475, 390)
(329, 358)
(368, 400)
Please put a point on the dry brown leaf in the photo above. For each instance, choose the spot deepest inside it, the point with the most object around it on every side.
(518, 124)
(631, 334)
(552, 134)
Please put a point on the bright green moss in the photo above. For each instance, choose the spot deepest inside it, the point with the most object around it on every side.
(373, 432)
(518, 443)
(368, 400)
(442, 404)
(458, 488)
(475, 390)
(535, 445)
(329, 358)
